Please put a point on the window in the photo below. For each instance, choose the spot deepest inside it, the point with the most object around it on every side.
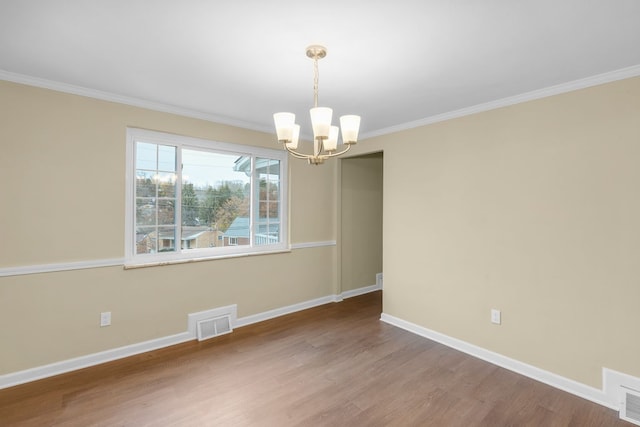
(190, 198)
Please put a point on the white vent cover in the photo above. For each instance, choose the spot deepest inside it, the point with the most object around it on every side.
(212, 326)
(630, 408)
(209, 328)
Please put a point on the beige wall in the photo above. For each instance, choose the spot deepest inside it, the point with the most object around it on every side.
(360, 220)
(532, 209)
(63, 179)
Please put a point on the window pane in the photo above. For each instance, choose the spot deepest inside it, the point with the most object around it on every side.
(273, 190)
(166, 158)
(268, 193)
(263, 209)
(166, 211)
(268, 233)
(146, 156)
(155, 197)
(198, 237)
(238, 232)
(155, 157)
(146, 212)
(166, 184)
(145, 185)
(166, 239)
(146, 240)
(272, 211)
(215, 198)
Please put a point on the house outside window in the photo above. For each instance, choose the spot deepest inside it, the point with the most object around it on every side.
(214, 199)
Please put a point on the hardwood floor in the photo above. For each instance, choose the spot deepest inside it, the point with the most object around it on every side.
(334, 365)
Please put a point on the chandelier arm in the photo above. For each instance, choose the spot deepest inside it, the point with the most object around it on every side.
(319, 147)
(341, 152)
(297, 154)
(325, 155)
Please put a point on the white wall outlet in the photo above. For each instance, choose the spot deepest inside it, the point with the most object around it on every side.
(496, 316)
(105, 318)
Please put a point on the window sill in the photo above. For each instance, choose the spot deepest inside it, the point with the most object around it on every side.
(130, 265)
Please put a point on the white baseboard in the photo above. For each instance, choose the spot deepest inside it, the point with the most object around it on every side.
(606, 398)
(40, 372)
(260, 317)
(360, 291)
(248, 320)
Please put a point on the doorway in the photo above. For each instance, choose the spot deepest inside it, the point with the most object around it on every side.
(361, 196)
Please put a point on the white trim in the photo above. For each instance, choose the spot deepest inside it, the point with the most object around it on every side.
(63, 266)
(598, 79)
(129, 194)
(129, 100)
(271, 314)
(623, 73)
(181, 143)
(132, 265)
(28, 375)
(115, 262)
(21, 377)
(313, 244)
(549, 378)
(360, 291)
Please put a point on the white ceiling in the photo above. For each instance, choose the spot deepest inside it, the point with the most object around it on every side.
(392, 62)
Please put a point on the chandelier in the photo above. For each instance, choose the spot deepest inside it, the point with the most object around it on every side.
(325, 136)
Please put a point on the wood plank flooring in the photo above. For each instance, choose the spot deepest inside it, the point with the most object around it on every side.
(334, 365)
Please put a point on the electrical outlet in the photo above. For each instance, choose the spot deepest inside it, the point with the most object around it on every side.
(496, 316)
(105, 318)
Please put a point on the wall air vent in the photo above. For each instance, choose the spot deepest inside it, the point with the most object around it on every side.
(213, 322)
(630, 408)
(209, 328)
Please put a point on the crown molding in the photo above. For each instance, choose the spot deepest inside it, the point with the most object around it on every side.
(583, 83)
(127, 100)
(621, 74)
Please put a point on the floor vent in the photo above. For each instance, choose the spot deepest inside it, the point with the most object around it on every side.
(630, 408)
(209, 328)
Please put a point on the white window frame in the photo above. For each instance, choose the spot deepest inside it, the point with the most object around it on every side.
(133, 260)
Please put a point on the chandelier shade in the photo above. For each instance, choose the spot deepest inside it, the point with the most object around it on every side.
(321, 122)
(350, 126)
(284, 126)
(325, 136)
(331, 144)
(296, 136)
